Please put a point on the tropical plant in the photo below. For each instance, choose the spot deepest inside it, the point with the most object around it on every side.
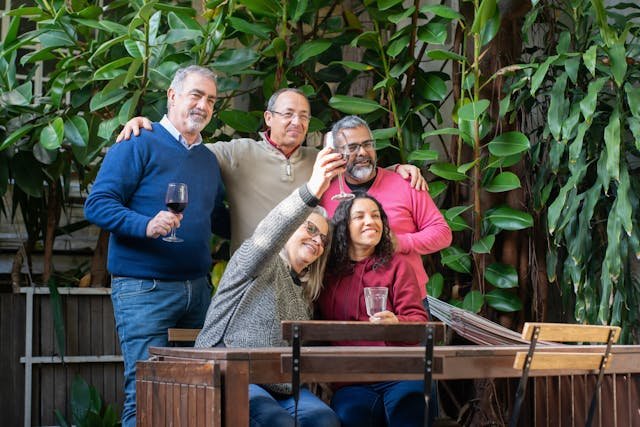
(585, 82)
(87, 408)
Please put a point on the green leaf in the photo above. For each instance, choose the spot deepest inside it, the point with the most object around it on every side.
(431, 86)
(558, 107)
(501, 275)
(589, 59)
(55, 38)
(490, 29)
(504, 181)
(309, 50)
(385, 133)
(453, 218)
(77, 131)
(457, 260)
(387, 4)
(503, 300)
(508, 144)
(232, 61)
(399, 17)
(20, 96)
(589, 102)
(51, 135)
(571, 66)
(101, 100)
(423, 154)
(435, 285)
(541, 72)
(485, 12)
(398, 46)
(263, 7)
(633, 98)
(472, 110)
(473, 301)
(257, 29)
(367, 40)
(134, 48)
(112, 69)
(618, 56)
(114, 27)
(27, 173)
(442, 11)
(507, 218)
(442, 55)
(443, 131)
(358, 66)
(399, 69)
(107, 45)
(240, 120)
(180, 10)
(16, 135)
(447, 171)
(56, 91)
(301, 8)
(182, 35)
(353, 105)
(484, 245)
(25, 12)
(612, 143)
(436, 188)
(434, 32)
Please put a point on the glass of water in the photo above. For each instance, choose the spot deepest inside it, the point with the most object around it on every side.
(375, 298)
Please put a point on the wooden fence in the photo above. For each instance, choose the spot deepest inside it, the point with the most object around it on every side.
(92, 352)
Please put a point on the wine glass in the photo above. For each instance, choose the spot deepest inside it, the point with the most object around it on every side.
(176, 200)
(342, 195)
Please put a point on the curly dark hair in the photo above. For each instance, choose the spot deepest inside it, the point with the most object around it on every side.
(339, 262)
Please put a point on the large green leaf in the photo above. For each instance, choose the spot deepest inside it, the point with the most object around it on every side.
(472, 110)
(77, 131)
(301, 8)
(353, 105)
(502, 276)
(55, 38)
(504, 181)
(16, 135)
(240, 120)
(589, 59)
(503, 300)
(484, 245)
(398, 46)
(447, 171)
(507, 218)
(233, 61)
(456, 259)
(20, 96)
(434, 32)
(485, 12)
(442, 11)
(633, 98)
(27, 173)
(263, 7)
(423, 154)
(431, 86)
(112, 69)
(541, 72)
(182, 35)
(101, 100)
(52, 134)
(436, 188)
(508, 144)
(558, 107)
(387, 4)
(435, 285)
(589, 102)
(257, 29)
(441, 131)
(442, 55)
(612, 143)
(618, 57)
(309, 50)
(491, 28)
(473, 301)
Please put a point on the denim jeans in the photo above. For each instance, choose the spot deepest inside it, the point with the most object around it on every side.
(390, 404)
(144, 309)
(266, 410)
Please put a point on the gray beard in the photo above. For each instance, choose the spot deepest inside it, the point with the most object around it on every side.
(361, 173)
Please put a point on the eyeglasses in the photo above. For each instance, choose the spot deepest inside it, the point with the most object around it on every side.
(289, 116)
(355, 147)
(313, 231)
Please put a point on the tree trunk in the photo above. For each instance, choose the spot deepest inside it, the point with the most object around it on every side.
(99, 274)
(53, 217)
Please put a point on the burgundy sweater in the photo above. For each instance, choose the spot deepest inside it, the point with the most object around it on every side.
(343, 296)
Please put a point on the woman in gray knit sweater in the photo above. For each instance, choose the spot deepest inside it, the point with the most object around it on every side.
(275, 275)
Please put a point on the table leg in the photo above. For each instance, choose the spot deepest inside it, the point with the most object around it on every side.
(236, 393)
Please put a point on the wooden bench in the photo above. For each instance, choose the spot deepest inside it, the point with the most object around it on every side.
(187, 394)
(536, 358)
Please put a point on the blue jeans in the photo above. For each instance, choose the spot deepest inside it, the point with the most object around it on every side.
(144, 309)
(266, 410)
(390, 404)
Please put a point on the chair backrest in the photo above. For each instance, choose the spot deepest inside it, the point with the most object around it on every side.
(539, 359)
(331, 331)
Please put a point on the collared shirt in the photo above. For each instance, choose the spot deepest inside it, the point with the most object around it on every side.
(267, 136)
(166, 123)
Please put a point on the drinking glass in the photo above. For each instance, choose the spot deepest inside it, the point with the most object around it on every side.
(176, 200)
(342, 195)
(375, 298)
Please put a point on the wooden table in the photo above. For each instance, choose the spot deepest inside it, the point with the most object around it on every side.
(241, 367)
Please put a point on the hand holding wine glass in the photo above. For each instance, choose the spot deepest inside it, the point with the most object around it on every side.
(329, 142)
(176, 200)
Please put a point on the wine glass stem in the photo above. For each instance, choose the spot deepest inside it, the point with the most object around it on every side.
(341, 183)
(173, 232)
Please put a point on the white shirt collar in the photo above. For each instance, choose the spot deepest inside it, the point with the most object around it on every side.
(166, 123)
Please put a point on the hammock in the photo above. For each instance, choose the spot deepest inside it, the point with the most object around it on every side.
(473, 327)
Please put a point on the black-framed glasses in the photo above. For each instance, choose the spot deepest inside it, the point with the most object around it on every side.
(313, 231)
(290, 116)
(354, 147)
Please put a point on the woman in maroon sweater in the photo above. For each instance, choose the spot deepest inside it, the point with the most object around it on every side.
(362, 255)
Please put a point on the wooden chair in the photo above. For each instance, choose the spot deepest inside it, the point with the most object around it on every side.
(538, 359)
(330, 331)
(178, 393)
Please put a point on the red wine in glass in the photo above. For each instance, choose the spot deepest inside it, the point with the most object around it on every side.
(176, 200)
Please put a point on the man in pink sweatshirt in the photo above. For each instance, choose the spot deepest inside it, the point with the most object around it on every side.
(416, 222)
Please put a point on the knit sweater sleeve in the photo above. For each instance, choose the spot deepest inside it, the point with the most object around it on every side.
(118, 179)
(406, 300)
(272, 233)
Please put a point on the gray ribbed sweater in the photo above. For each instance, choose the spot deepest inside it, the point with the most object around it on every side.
(256, 291)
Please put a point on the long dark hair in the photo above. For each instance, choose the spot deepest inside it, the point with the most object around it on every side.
(339, 261)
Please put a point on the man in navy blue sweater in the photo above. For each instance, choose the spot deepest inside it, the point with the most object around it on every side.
(158, 284)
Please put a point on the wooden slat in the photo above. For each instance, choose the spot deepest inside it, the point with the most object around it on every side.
(324, 330)
(563, 332)
(182, 334)
(542, 360)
